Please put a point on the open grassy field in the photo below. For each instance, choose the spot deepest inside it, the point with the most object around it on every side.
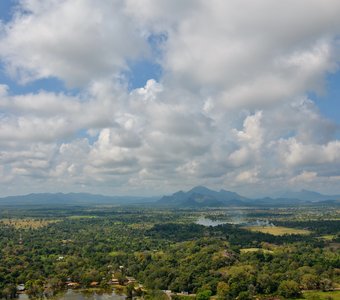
(278, 230)
(328, 237)
(141, 225)
(319, 295)
(27, 223)
(247, 250)
(75, 217)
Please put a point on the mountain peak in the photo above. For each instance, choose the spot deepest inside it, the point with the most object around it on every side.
(201, 196)
(200, 189)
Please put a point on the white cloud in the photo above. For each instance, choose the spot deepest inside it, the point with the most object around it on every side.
(73, 40)
(305, 176)
(230, 109)
(145, 139)
(252, 134)
(299, 154)
(256, 53)
(249, 176)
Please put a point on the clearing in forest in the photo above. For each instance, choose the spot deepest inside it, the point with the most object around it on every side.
(334, 295)
(278, 230)
(27, 223)
(247, 250)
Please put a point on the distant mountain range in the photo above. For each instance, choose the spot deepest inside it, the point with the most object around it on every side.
(201, 196)
(72, 199)
(306, 195)
(197, 197)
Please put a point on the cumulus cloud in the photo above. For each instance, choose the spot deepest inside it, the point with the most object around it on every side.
(75, 41)
(231, 108)
(296, 153)
(258, 40)
(249, 176)
(305, 176)
(144, 137)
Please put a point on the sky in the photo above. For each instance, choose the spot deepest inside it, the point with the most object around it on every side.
(147, 97)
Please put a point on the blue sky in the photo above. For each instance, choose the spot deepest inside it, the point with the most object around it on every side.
(329, 101)
(143, 97)
(6, 10)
